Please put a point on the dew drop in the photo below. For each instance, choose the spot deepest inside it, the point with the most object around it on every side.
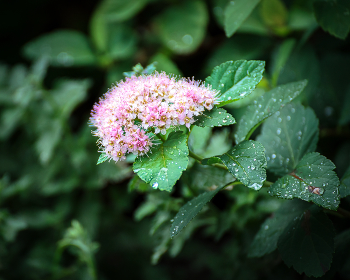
(155, 185)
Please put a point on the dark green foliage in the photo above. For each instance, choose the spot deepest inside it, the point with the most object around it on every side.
(190, 210)
(256, 199)
(307, 243)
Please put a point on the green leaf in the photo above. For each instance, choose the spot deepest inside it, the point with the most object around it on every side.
(77, 237)
(265, 106)
(302, 64)
(265, 241)
(280, 58)
(235, 80)
(67, 94)
(164, 164)
(333, 16)
(254, 25)
(344, 188)
(307, 243)
(107, 14)
(64, 48)
(199, 138)
(219, 143)
(287, 136)
(164, 63)
(121, 41)
(139, 70)
(120, 10)
(102, 158)
(246, 162)
(214, 117)
(274, 13)
(300, 18)
(182, 27)
(190, 210)
(312, 180)
(48, 139)
(235, 13)
(206, 177)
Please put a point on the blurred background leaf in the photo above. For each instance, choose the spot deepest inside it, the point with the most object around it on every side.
(58, 58)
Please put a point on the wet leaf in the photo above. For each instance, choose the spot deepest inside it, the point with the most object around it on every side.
(307, 243)
(246, 162)
(235, 79)
(265, 106)
(265, 241)
(214, 117)
(190, 210)
(235, 13)
(280, 58)
(164, 164)
(287, 136)
(312, 180)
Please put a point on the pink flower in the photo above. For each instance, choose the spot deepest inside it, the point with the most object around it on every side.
(133, 108)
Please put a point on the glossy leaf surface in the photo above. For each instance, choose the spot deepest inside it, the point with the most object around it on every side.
(287, 136)
(246, 162)
(265, 106)
(235, 79)
(190, 210)
(164, 164)
(214, 117)
(312, 180)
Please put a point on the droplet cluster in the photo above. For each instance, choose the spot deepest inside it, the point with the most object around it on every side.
(131, 110)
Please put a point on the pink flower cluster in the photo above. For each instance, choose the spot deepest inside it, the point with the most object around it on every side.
(149, 103)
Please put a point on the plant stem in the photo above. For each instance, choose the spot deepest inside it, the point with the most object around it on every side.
(196, 157)
(199, 158)
(267, 184)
